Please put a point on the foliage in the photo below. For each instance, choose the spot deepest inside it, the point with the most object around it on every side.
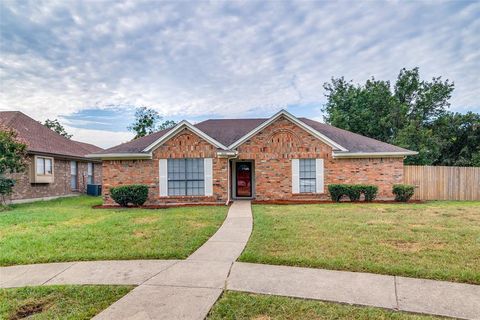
(57, 127)
(13, 154)
(146, 121)
(135, 194)
(403, 192)
(352, 191)
(412, 114)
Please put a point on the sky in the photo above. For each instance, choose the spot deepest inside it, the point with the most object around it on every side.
(90, 63)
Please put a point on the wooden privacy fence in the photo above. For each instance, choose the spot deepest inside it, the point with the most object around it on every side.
(443, 183)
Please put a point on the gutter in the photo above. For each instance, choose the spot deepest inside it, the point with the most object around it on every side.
(120, 156)
(346, 155)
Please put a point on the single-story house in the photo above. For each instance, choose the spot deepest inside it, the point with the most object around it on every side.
(57, 166)
(279, 158)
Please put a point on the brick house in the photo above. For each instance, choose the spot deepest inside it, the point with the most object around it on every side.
(279, 158)
(56, 166)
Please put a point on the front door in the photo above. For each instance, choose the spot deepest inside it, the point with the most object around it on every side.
(244, 179)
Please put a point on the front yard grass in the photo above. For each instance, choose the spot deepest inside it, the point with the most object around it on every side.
(243, 306)
(436, 240)
(69, 229)
(58, 302)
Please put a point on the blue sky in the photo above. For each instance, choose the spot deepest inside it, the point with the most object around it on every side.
(90, 63)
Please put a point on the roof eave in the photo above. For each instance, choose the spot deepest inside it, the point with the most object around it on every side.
(120, 156)
(400, 154)
(295, 120)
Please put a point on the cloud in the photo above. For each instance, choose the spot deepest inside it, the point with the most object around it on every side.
(227, 59)
(101, 138)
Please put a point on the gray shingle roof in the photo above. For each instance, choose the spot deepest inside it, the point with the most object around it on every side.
(227, 131)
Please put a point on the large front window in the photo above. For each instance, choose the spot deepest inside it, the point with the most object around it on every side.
(44, 166)
(186, 177)
(307, 176)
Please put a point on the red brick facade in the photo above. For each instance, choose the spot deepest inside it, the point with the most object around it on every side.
(271, 151)
(25, 190)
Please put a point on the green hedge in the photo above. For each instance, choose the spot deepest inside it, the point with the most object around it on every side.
(135, 194)
(403, 192)
(352, 191)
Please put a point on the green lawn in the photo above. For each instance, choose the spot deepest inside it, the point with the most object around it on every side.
(239, 306)
(69, 229)
(58, 302)
(437, 240)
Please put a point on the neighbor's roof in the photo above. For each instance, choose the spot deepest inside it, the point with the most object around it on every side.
(229, 131)
(41, 139)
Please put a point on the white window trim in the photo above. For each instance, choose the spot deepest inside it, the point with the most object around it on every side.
(320, 176)
(163, 177)
(208, 176)
(295, 176)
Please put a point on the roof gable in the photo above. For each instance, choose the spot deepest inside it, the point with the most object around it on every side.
(296, 121)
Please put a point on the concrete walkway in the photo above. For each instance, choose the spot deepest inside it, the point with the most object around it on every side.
(187, 289)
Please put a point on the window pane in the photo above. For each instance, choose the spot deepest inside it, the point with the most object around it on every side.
(73, 173)
(307, 175)
(73, 167)
(176, 188)
(90, 168)
(40, 166)
(195, 188)
(48, 166)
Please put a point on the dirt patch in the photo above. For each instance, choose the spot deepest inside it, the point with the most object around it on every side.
(29, 309)
(262, 317)
(140, 234)
(403, 245)
(146, 220)
(197, 224)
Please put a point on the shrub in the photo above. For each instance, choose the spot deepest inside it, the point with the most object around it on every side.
(6, 188)
(337, 191)
(403, 192)
(370, 192)
(135, 194)
(352, 191)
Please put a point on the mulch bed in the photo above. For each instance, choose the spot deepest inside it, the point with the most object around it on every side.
(331, 202)
(165, 206)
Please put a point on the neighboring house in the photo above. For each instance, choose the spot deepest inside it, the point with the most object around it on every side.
(280, 158)
(57, 166)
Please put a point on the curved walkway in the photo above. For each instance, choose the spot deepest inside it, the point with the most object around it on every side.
(187, 289)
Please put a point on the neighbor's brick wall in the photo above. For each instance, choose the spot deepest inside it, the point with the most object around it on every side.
(273, 148)
(184, 145)
(60, 187)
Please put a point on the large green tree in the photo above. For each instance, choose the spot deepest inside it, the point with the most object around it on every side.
(13, 154)
(147, 121)
(412, 114)
(56, 126)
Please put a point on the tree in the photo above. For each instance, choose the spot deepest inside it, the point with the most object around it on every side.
(57, 127)
(146, 122)
(404, 115)
(13, 153)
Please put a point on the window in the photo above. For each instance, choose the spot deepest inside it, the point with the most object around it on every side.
(73, 175)
(307, 175)
(89, 173)
(186, 177)
(44, 166)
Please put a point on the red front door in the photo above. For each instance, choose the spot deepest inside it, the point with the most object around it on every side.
(244, 179)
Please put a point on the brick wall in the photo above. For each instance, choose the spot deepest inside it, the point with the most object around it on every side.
(273, 148)
(60, 187)
(184, 145)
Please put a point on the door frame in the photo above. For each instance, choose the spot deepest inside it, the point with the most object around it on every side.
(233, 186)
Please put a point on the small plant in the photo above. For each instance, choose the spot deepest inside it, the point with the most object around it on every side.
(6, 188)
(337, 191)
(352, 191)
(403, 192)
(370, 192)
(135, 194)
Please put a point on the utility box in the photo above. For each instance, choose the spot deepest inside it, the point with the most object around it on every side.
(94, 189)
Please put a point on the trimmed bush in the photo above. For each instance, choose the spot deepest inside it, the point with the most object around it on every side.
(370, 192)
(135, 194)
(352, 191)
(403, 192)
(337, 191)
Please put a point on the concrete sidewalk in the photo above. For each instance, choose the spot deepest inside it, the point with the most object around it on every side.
(188, 289)
(399, 293)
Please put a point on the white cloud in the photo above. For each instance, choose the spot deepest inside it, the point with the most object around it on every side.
(101, 138)
(226, 58)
